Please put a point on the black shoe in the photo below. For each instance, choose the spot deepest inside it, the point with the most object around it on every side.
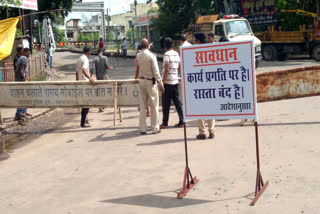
(143, 133)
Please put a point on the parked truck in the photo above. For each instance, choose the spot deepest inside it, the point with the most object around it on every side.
(278, 45)
(229, 28)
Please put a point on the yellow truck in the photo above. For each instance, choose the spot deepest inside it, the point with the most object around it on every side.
(229, 28)
(278, 44)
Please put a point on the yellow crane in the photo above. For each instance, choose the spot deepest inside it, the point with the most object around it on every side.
(279, 44)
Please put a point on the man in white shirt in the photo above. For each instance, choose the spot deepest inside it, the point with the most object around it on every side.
(148, 72)
(183, 40)
(171, 64)
(82, 73)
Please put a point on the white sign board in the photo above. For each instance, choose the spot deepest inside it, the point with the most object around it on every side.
(218, 81)
(25, 4)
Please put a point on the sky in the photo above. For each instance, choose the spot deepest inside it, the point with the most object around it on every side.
(115, 6)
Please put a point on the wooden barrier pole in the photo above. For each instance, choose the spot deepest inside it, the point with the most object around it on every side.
(115, 103)
(1, 117)
(120, 115)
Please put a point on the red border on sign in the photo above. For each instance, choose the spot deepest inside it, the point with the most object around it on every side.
(252, 73)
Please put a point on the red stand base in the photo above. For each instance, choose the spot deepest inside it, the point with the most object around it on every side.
(260, 188)
(187, 185)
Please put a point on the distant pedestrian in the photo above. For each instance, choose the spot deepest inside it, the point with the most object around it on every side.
(50, 52)
(183, 40)
(101, 66)
(171, 66)
(200, 38)
(21, 76)
(101, 44)
(82, 73)
(124, 47)
(149, 78)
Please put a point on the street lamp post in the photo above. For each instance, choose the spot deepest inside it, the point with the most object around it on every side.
(36, 22)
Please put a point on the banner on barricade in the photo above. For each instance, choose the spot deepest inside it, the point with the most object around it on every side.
(69, 94)
(218, 81)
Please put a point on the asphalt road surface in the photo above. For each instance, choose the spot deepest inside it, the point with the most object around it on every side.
(54, 166)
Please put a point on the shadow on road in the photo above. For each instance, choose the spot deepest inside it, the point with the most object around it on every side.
(165, 202)
(161, 142)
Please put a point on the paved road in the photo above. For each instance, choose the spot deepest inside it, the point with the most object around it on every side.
(106, 169)
(124, 67)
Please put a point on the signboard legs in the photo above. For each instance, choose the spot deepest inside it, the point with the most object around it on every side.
(115, 103)
(188, 180)
(260, 185)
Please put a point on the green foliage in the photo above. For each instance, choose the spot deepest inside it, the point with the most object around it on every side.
(176, 16)
(5, 3)
(153, 10)
(291, 21)
(109, 36)
(44, 5)
(18, 32)
(59, 35)
(128, 34)
(88, 37)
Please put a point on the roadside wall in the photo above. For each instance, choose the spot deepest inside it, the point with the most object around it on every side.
(36, 68)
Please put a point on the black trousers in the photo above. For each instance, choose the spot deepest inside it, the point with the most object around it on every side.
(84, 114)
(171, 93)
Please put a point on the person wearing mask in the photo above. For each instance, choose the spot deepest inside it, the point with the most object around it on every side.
(82, 73)
(149, 79)
(101, 65)
(21, 76)
(171, 64)
(200, 38)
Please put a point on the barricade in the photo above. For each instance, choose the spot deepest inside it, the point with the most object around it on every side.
(36, 68)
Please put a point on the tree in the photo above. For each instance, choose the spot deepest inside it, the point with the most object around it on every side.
(59, 35)
(8, 2)
(45, 5)
(176, 16)
(291, 21)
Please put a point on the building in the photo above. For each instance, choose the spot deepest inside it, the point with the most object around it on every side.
(73, 29)
(142, 23)
(123, 19)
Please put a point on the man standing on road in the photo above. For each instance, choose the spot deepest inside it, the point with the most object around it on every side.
(50, 52)
(149, 78)
(16, 58)
(200, 38)
(183, 40)
(124, 47)
(101, 44)
(171, 64)
(21, 76)
(82, 73)
(101, 65)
